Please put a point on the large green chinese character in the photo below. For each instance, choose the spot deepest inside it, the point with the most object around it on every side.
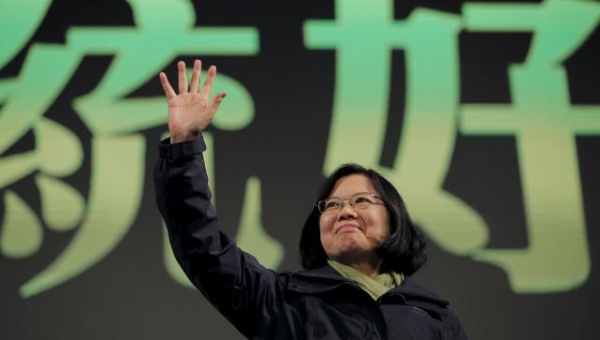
(364, 33)
(544, 123)
(115, 121)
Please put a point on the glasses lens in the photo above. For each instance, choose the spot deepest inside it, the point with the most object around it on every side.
(363, 200)
(329, 205)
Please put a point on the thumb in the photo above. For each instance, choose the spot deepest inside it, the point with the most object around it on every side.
(217, 100)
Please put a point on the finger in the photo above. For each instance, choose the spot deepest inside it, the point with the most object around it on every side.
(217, 100)
(210, 79)
(183, 86)
(164, 81)
(195, 76)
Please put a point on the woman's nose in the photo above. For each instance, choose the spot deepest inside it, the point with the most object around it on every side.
(347, 211)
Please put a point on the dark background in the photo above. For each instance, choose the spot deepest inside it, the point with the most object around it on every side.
(129, 295)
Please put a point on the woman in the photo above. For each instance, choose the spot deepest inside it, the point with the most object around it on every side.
(358, 246)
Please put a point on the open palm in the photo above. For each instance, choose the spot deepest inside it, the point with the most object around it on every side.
(190, 111)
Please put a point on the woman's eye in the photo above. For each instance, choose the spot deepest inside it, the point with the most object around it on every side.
(362, 200)
(329, 205)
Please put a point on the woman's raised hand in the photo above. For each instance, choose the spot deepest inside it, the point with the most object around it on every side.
(190, 111)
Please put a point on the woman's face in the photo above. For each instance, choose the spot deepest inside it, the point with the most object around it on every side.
(349, 235)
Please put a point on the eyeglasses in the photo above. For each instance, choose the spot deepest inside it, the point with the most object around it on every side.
(359, 201)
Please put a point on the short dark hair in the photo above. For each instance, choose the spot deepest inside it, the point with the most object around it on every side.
(403, 251)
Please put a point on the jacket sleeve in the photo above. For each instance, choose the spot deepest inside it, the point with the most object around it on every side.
(458, 332)
(233, 281)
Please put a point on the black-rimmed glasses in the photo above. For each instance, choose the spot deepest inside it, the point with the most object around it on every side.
(359, 201)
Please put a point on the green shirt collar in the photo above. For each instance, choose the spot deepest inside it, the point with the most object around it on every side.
(374, 286)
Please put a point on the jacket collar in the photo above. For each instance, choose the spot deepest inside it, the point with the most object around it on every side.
(319, 280)
(326, 278)
(411, 290)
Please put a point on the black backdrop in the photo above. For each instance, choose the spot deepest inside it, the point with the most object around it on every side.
(127, 290)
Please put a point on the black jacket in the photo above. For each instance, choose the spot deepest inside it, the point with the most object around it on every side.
(263, 304)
